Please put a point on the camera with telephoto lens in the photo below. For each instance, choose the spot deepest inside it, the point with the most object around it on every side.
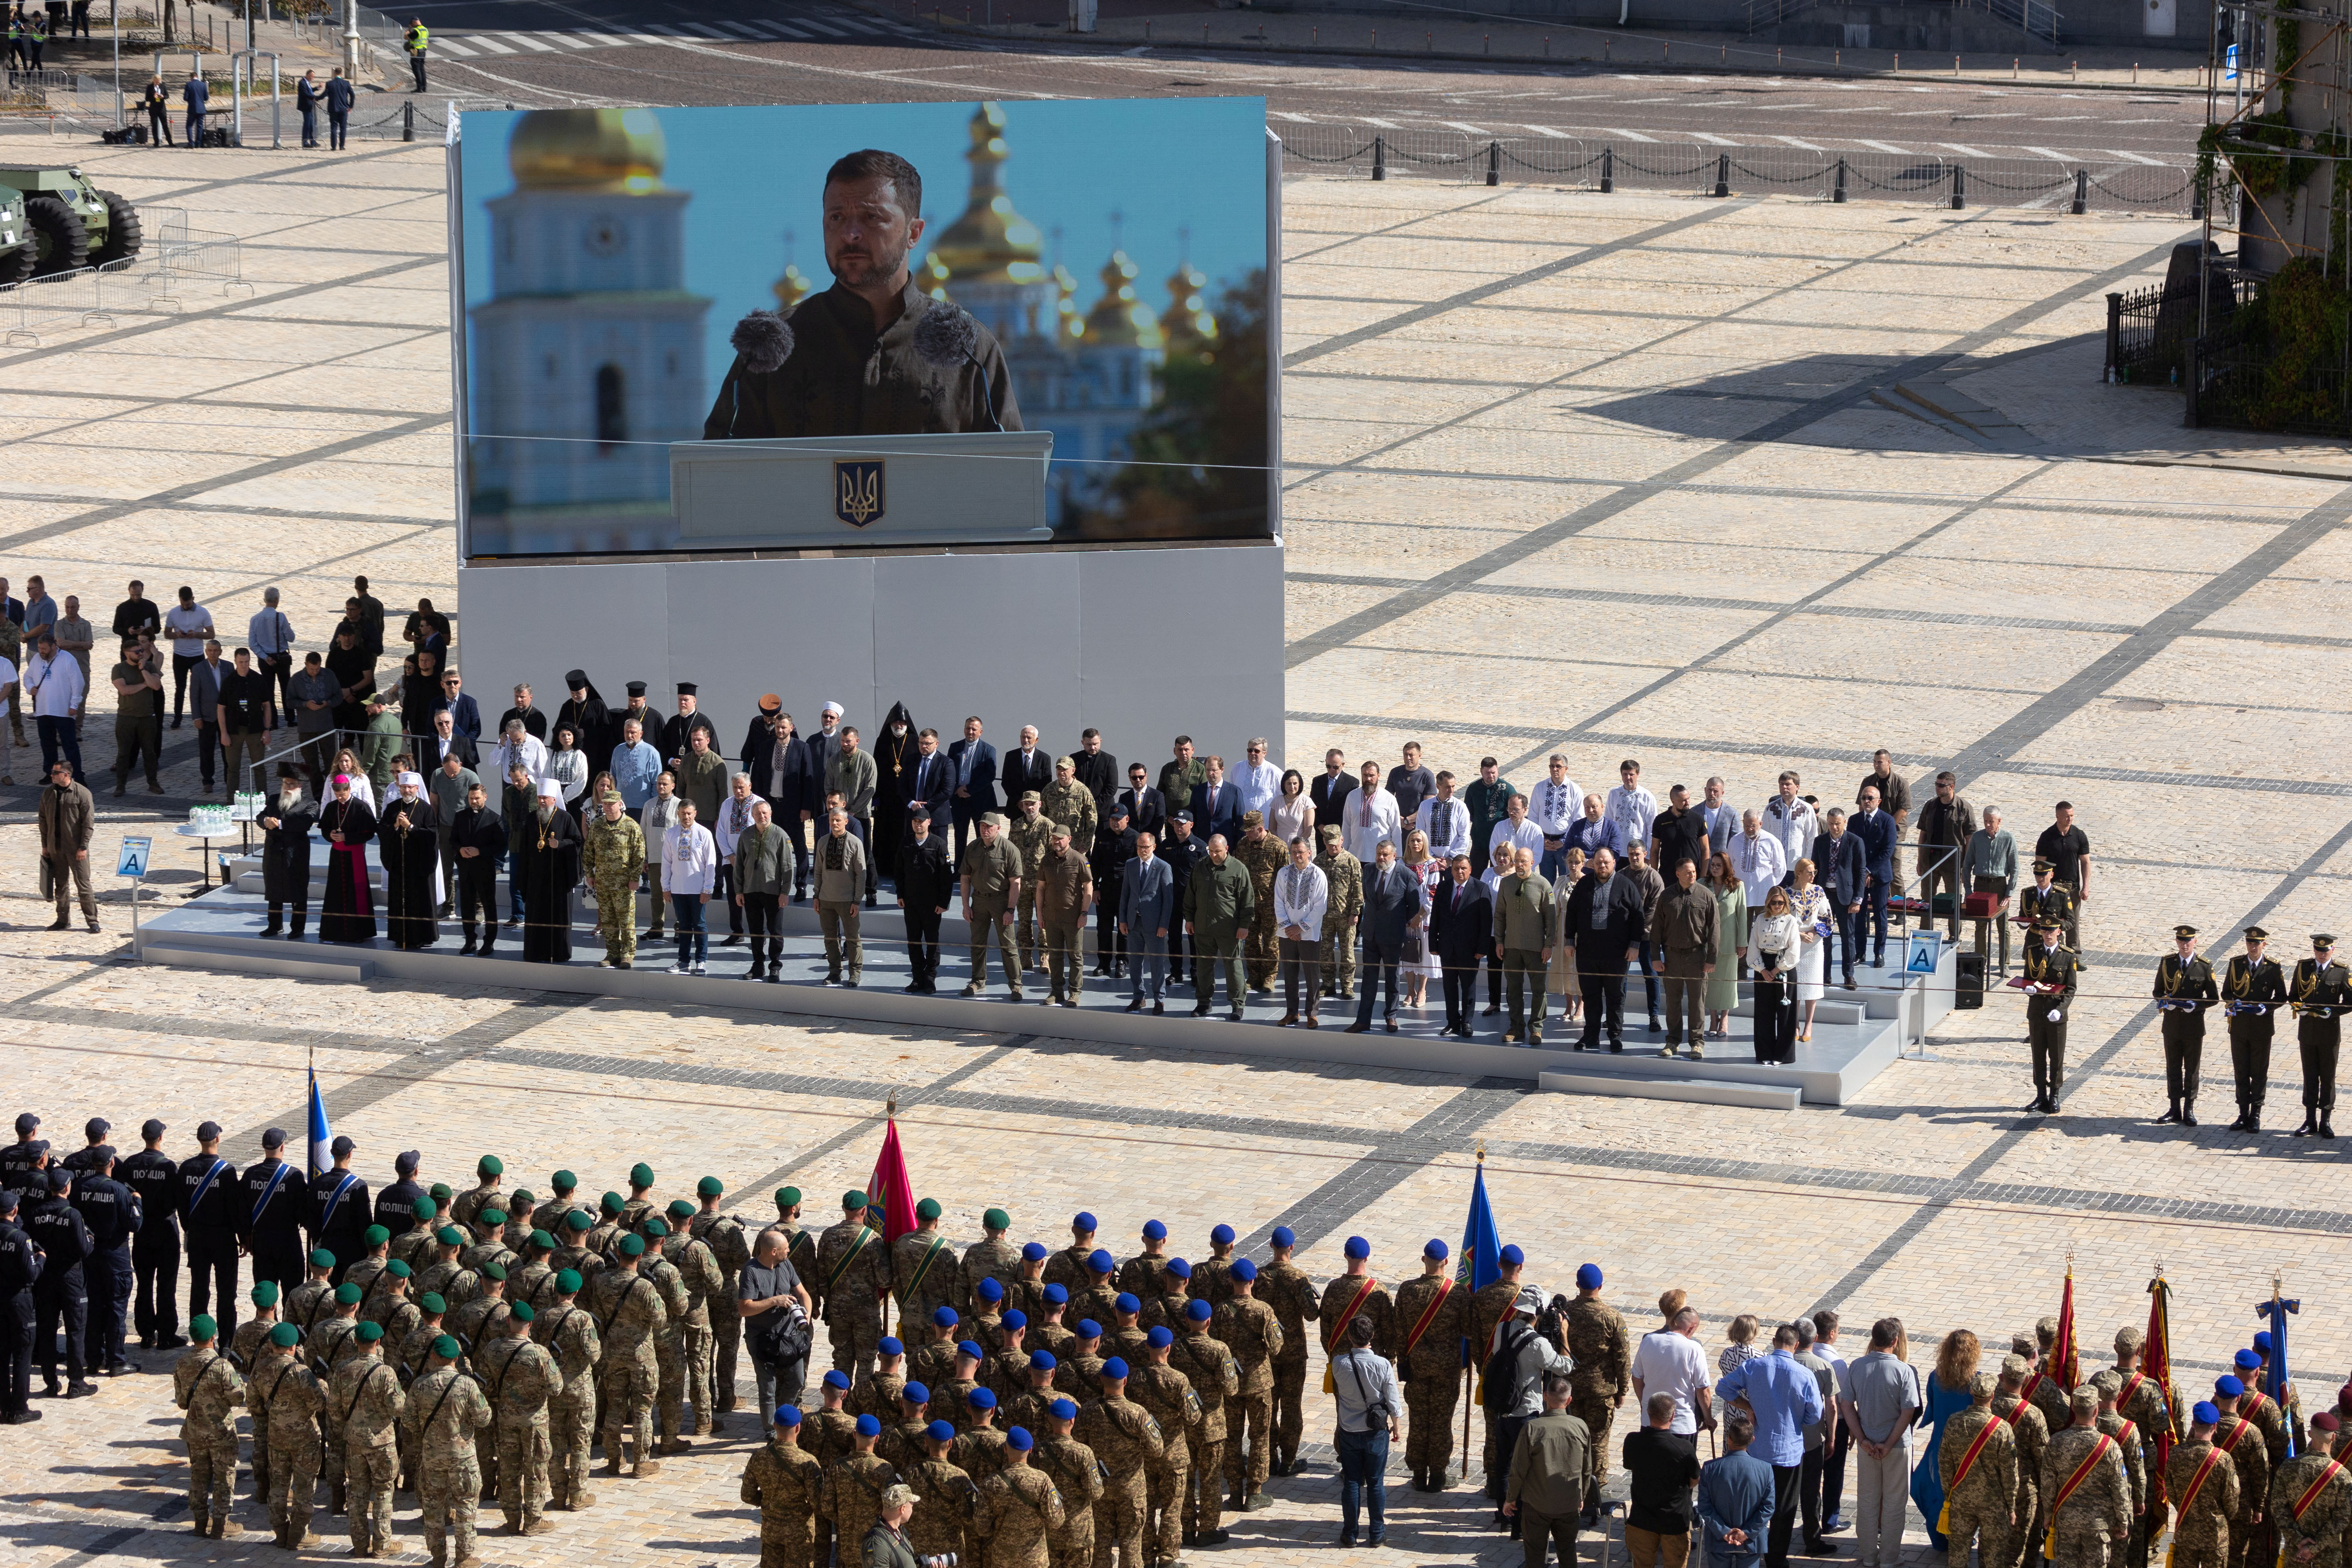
(941, 1560)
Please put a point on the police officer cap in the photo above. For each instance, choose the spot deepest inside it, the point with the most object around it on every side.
(1056, 1296)
(612, 1204)
(26, 1122)
(1031, 1251)
(433, 1303)
(567, 1281)
(1182, 817)
(59, 1180)
(787, 1415)
(321, 1258)
(945, 1318)
(361, 1334)
(1118, 808)
(916, 1394)
(425, 1208)
(1198, 1312)
(1062, 1410)
(521, 1312)
(641, 1174)
(450, 1236)
(1159, 1338)
(680, 1208)
(2246, 1360)
(405, 1163)
(201, 1328)
(788, 1197)
(97, 1127)
(940, 1432)
(709, 1187)
(927, 1209)
(2228, 1387)
(997, 1219)
(1123, 1302)
(1099, 1261)
(150, 1128)
(374, 1236)
(1356, 1246)
(2204, 1414)
(1088, 1329)
(632, 1244)
(1018, 1439)
(890, 1346)
(347, 1294)
(7, 1201)
(918, 811)
(1154, 1231)
(1588, 1275)
(853, 1199)
(1178, 1266)
(539, 1239)
(1433, 1250)
(445, 1347)
(989, 1290)
(1222, 1235)
(1284, 1236)
(966, 1348)
(1015, 1318)
(1083, 1221)
(1041, 1361)
(1244, 1270)
(285, 1335)
(981, 1399)
(398, 1269)
(491, 1166)
(655, 1228)
(265, 1293)
(206, 1130)
(1114, 1369)
(341, 1146)
(838, 1379)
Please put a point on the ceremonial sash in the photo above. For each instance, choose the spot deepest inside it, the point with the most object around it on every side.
(276, 1178)
(2196, 1484)
(335, 1202)
(1428, 1313)
(1967, 1463)
(865, 1235)
(205, 1186)
(2302, 1504)
(939, 1245)
(2251, 1403)
(2129, 1389)
(2081, 1473)
(2025, 1394)
(2230, 1442)
(1332, 1326)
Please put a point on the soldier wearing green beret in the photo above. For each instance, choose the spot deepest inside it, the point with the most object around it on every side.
(477, 1324)
(800, 1243)
(364, 1401)
(386, 1303)
(527, 1280)
(608, 1227)
(411, 1360)
(248, 1350)
(208, 1388)
(927, 1272)
(669, 1336)
(414, 1245)
(854, 1265)
(571, 1248)
(730, 1249)
(548, 1215)
(567, 1331)
(993, 1256)
(521, 1377)
(446, 1410)
(490, 1172)
(445, 1275)
(311, 1300)
(640, 1201)
(522, 1218)
(698, 1269)
(375, 1248)
(630, 1374)
(295, 1402)
(329, 1340)
(489, 1243)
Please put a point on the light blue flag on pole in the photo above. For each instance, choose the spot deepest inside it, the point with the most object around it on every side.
(1480, 1262)
(322, 1137)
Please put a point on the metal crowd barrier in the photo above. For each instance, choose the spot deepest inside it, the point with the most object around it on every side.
(173, 258)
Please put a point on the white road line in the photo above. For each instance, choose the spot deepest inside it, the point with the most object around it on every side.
(1629, 135)
(738, 29)
(662, 30)
(492, 45)
(536, 46)
(1547, 130)
(2152, 162)
(1718, 141)
(768, 30)
(1965, 151)
(644, 38)
(1884, 147)
(1383, 124)
(1794, 142)
(454, 47)
(826, 27)
(1294, 119)
(787, 30)
(1458, 125)
(2046, 153)
(571, 41)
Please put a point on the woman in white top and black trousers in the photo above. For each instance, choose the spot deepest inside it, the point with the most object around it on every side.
(1773, 953)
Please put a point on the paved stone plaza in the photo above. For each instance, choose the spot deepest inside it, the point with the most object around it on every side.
(1726, 485)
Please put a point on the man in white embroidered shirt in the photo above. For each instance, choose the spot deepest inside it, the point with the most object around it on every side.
(689, 875)
(1633, 808)
(734, 821)
(1757, 859)
(1553, 806)
(1446, 820)
(1514, 833)
(1789, 820)
(1369, 818)
(1259, 781)
(1301, 892)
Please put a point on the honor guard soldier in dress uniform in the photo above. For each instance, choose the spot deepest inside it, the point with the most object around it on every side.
(2203, 1486)
(2050, 992)
(2184, 989)
(2310, 1500)
(2322, 990)
(2044, 899)
(1433, 1315)
(2252, 990)
(2089, 1494)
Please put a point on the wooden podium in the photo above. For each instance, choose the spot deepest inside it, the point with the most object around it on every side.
(832, 493)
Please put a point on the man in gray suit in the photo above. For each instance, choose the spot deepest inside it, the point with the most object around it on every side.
(1147, 911)
(1392, 902)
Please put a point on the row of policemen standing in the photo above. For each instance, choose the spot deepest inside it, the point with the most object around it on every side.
(66, 1230)
(2251, 991)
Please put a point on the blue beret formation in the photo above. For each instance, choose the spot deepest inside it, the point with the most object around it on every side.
(1154, 1231)
(940, 1432)
(2262, 1342)
(1088, 1329)
(2205, 1414)
(1082, 1221)
(1244, 1270)
(1062, 1410)
(2246, 1360)
(1019, 1439)
(1031, 1251)
(1587, 1277)
(1356, 1246)
(1015, 1318)
(1199, 1311)
(1041, 1361)
(965, 1347)
(1056, 1296)
(1115, 1368)
(1222, 1235)
(1512, 1256)
(1102, 1262)
(1434, 1250)
(2228, 1387)
(838, 1379)
(890, 1346)
(981, 1399)
(787, 1415)
(1160, 1339)
(1178, 1266)
(868, 1426)
(916, 1394)
(1284, 1236)
(1123, 1302)
(990, 1291)
(945, 1318)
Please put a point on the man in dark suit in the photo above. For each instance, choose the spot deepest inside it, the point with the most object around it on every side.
(1098, 771)
(1392, 899)
(925, 887)
(1217, 804)
(1877, 832)
(464, 712)
(971, 773)
(1604, 931)
(930, 782)
(1839, 864)
(1182, 849)
(1026, 766)
(1461, 930)
(778, 761)
(1146, 809)
(1329, 789)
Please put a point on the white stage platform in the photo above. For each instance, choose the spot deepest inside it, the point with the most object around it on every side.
(1856, 1033)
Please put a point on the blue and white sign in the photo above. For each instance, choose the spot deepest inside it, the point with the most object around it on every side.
(2230, 59)
(132, 859)
(1926, 948)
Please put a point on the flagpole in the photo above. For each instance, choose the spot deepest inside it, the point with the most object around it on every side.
(1470, 1373)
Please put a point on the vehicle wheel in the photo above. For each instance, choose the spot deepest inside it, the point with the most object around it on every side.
(16, 264)
(122, 235)
(57, 235)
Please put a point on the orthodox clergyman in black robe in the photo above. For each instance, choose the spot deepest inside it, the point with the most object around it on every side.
(551, 870)
(409, 847)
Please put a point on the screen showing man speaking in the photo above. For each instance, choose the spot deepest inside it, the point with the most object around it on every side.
(864, 324)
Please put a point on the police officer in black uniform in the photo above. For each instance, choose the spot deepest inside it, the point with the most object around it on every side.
(395, 1206)
(2048, 961)
(339, 1210)
(59, 1299)
(208, 1208)
(272, 1202)
(20, 1159)
(20, 1270)
(111, 1210)
(2321, 990)
(96, 1152)
(155, 1179)
(2252, 992)
(2184, 989)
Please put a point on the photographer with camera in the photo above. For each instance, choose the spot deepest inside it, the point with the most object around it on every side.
(776, 1309)
(887, 1545)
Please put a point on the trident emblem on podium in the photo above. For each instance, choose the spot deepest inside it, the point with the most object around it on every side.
(857, 492)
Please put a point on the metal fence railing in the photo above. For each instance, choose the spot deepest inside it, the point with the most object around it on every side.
(2149, 330)
(1710, 169)
(174, 262)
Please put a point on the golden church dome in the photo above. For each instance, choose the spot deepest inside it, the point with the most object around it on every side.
(588, 149)
(991, 243)
(1119, 319)
(1187, 323)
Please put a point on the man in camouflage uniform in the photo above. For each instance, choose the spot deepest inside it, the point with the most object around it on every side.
(2241, 1440)
(979, 1450)
(876, 1392)
(1431, 1316)
(1128, 1442)
(2033, 1431)
(1980, 1501)
(853, 1265)
(1598, 1345)
(1139, 1276)
(669, 1335)
(830, 1434)
(520, 1221)
(705, 1281)
(527, 1282)
(490, 1174)
(309, 1301)
(944, 1494)
(613, 856)
(1030, 835)
(2202, 1483)
(1344, 874)
(2108, 1384)
(446, 1408)
(993, 1256)
(1216, 1379)
(924, 1267)
(990, 873)
(247, 1350)
(1249, 1331)
(854, 1486)
(2310, 1500)
(567, 1331)
(295, 1402)
(1066, 890)
(1167, 1395)
(1285, 1287)
(365, 1402)
(1262, 856)
(523, 1377)
(1070, 804)
(1018, 1511)
(208, 1388)
(408, 1359)
(489, 1242)
(1078, 1475)
(2090, 1496)
(785, 1482)
(730, 1249)
(631, 1313)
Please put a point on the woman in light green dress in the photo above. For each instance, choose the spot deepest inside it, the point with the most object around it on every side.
(1730, 942)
